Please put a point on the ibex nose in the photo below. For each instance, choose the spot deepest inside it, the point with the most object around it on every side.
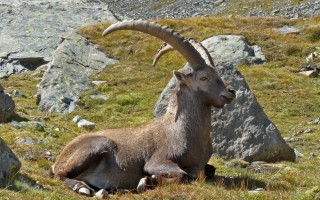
(231, 90)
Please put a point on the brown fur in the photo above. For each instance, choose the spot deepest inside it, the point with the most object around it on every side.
(171, 148)
(177, 144)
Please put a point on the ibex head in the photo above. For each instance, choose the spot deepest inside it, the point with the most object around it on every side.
(204, 77)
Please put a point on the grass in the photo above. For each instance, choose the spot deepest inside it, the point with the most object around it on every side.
(133, 86)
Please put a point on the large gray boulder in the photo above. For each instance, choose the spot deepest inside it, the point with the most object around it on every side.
(30, 31)
(7, 106)
(241, 129)
(67, 75)
(9, 164)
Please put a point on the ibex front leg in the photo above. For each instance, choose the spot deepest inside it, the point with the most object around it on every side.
(161, 171)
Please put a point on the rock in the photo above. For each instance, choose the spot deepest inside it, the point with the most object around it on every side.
(34, 125)
(7, 107)
(298, 154)
(312, 56)
(316, 121)
(237, 163)
(67, 76)
(312, 154)
(233, 50)
(310, 67)
(30, 141)
(76, 119)
(99, 96)
(288, 30)
(18, 94)
(265, 168)
(49, 156)
(308, 130)
(48, 134)
(146, 9)
(86, 124)
(291, 139)
(98, 82)
(10, 164)
(32, 30)
(258, 190)
(241, 129)
(16, 124)
(310, 73)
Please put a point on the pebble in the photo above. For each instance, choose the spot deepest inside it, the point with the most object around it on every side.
(258, 190)
(298, 154)
(76, 119)
(86, 124)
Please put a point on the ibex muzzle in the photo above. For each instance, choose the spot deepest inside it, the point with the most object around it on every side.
(171, 148)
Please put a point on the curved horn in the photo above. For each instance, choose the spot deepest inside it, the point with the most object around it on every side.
(178, 42)
(165, 48)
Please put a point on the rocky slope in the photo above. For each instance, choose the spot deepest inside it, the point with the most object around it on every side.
(155, 9)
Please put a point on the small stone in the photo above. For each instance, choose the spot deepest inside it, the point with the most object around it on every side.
(310, 74)
(37, 126)
(298, 154)
(98, 82)
(308, 130)
(257, 190)
(312, 154)
(56, 128)
(30, 141)
(16, 124)
(76, 119)
(291, 139)
(49, 156)
(48, 134)
(18, 94)
(99, 96)
(288, 30)
(86, 124)
(312, 56)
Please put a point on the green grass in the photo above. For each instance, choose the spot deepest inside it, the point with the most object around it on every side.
(290, 100)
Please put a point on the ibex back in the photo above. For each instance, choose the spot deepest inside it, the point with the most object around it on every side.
(173, 147)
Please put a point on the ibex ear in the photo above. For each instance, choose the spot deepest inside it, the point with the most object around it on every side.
(180, 76)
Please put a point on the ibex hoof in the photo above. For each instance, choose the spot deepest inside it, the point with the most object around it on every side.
(142, 185)
(101, 194)
(84, 191)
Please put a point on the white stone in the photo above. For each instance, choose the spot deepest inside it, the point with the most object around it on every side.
(310, 73)
(76, 119)
(86, 124)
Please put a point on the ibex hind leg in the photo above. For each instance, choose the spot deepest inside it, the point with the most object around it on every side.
(74, 163)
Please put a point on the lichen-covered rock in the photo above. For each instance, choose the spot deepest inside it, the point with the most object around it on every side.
(30, 31)
(9, 164)
(67, 75)
(7, 106)
(241, 129)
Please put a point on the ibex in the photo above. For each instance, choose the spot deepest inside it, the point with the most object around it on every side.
(174, 147)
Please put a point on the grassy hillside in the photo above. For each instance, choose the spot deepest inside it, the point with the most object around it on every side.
(133, 86)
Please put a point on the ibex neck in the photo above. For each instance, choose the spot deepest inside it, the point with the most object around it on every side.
(189, 111)
(188, 125)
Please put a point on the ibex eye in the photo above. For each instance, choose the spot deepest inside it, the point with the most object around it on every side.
(204, 79)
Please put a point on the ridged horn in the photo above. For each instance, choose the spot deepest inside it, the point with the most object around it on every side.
(173, 38)
(165, 48)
